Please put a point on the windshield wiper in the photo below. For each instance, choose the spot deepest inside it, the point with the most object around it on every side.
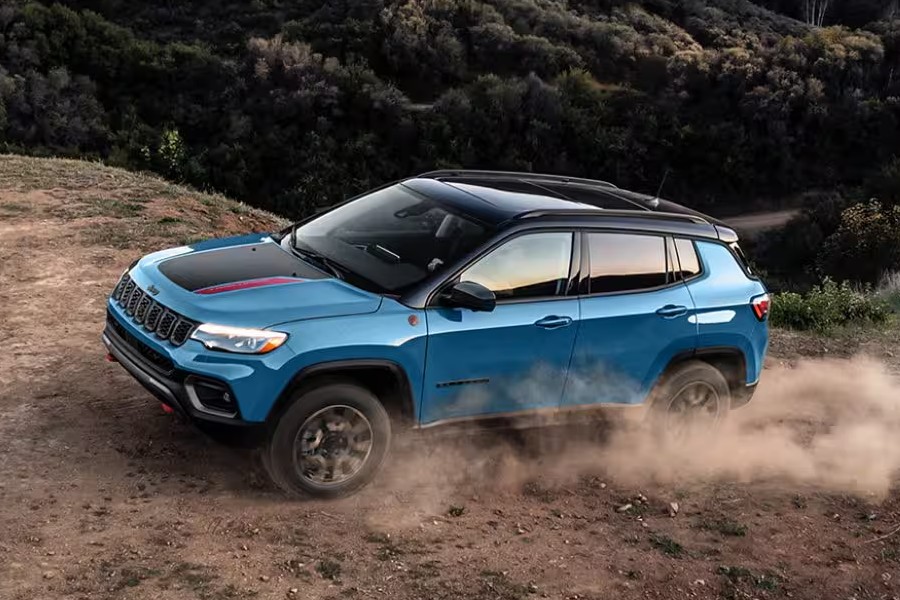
(383, 253)
(320, 261)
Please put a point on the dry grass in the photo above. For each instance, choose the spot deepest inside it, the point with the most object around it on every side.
(110, 207)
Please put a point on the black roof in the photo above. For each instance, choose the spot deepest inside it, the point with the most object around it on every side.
(503, 198)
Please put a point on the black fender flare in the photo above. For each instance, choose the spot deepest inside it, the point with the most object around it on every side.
(342, 367)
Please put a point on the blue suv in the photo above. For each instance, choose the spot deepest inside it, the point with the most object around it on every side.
(454, 296)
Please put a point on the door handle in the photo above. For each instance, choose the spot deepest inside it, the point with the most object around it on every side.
(553, 322)
(670, 311)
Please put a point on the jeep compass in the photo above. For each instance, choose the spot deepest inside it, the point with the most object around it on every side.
(453, 296)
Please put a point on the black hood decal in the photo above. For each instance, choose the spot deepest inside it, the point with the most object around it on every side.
(237, 263)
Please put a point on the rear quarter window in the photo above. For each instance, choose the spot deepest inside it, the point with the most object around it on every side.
(687, 258)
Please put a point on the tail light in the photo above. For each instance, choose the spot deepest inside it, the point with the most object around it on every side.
(760, 306)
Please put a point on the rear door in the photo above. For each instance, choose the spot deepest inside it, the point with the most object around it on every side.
(636, 314)
(515, 358)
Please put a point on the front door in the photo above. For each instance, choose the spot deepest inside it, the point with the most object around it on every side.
(637, 316)
(514, 358)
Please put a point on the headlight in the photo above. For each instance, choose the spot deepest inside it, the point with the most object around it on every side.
(238, 339)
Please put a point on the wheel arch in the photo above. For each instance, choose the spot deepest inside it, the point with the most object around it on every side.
(384, 378)
(729, 360)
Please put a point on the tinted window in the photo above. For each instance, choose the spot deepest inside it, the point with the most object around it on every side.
(594, 197)
(625, 262)
(391, 239)
(507, 185)
(687, 256)
(529, 266)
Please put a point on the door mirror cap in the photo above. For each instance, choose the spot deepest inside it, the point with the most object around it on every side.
(471, 295)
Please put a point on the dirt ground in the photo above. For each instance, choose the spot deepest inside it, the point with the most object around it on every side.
(104, 496)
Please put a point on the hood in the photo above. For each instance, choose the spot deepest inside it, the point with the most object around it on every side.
(248, 281)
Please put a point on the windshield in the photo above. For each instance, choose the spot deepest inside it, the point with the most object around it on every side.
(391, 239)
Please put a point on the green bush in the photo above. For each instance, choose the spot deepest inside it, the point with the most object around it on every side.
(827, 306)
(865, 245)
(888, 290)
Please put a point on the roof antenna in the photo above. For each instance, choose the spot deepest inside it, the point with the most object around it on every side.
(655, 201)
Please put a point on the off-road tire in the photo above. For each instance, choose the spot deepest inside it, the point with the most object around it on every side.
(678, 382)
(278, 453)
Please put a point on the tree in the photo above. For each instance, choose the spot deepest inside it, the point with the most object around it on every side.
(814, 11)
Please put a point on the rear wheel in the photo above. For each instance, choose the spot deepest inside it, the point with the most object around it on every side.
(330, 442)
(692, 399)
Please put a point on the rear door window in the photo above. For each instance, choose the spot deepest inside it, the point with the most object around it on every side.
(623, 262)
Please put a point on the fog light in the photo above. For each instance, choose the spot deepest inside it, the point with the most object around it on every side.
(213, 394)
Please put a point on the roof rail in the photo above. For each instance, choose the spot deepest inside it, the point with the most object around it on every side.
(605, 212)
(537, 177)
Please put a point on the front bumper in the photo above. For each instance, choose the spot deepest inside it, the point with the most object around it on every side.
(175, 388)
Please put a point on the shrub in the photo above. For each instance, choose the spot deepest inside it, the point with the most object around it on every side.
(888, 290)
(788, 255)
(826, 306)
(865, 245)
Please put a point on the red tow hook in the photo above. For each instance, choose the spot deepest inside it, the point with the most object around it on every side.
(111, 358)
(167, 409)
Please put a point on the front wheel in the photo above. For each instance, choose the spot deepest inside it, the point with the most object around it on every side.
(692, 399)
(330, 442)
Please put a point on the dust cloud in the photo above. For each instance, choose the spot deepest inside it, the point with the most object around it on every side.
(831, 424)
(828, 424)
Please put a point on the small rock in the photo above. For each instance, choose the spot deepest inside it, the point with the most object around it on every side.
(263, 577)
(49, 574)
(602, 486)
(624, 508)
(293, 591)
(673, 509)
(699, 582)
(532, 588)
(244, 547)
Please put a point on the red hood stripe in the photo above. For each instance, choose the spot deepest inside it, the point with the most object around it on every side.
(252, 283)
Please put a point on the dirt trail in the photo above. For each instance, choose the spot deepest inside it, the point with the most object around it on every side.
(753, 223)
(103, 496)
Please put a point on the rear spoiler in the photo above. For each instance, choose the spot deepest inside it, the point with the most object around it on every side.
(726, 234)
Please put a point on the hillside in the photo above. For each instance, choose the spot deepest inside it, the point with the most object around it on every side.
(289, 105)
(103, 496)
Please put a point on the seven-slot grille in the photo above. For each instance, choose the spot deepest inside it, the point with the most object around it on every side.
(164, 323)
(160, 362)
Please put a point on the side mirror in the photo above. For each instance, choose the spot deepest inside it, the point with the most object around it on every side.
(468, 294)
